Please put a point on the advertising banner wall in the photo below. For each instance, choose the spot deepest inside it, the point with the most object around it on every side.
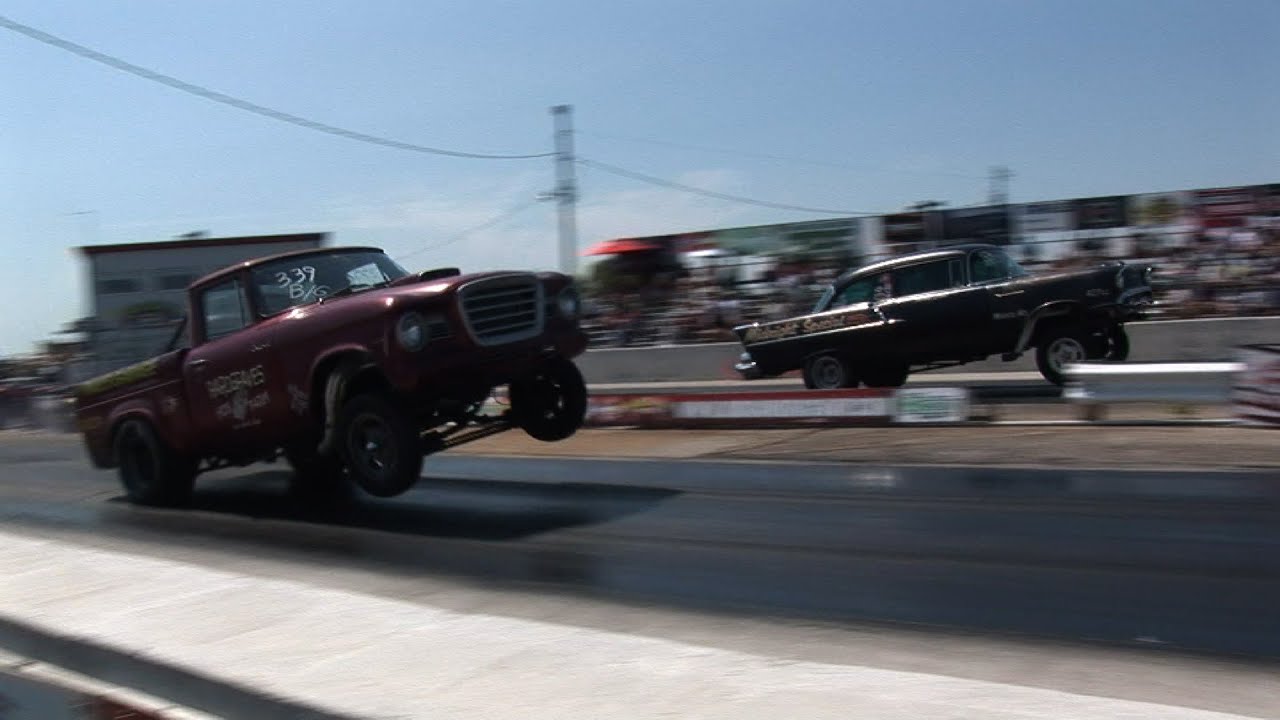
(1045, 217)
(1256, 395)
(905, 232)
(1268, 199)
(1101, 213)
(1162, 211)
(820, 237)
(989, 224)
(1226, 207)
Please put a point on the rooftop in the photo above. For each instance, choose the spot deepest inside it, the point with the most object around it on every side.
(90, 250)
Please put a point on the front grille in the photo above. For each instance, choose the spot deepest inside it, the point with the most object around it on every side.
(503, 310)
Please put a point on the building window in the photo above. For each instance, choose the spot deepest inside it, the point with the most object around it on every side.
(178, 281)
(117, 286)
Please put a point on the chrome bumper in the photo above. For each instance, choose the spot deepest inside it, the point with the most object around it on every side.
(747, 367)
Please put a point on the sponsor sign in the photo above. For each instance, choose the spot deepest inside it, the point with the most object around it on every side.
(989, 224)
(931, 405)
(1268, 199)
(904, 231)
(1162, 210)
(757, 409)
(615, 410)
(818, 238)
(1045, 217)
(1100, 213)
(1255, 397)
(1225, 207)
(794, 407)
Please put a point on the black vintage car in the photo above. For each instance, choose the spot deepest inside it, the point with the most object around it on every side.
(877, 324)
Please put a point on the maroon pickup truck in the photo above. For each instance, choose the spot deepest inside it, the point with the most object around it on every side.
(346, 364)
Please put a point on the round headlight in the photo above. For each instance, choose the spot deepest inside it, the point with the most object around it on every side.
(411, 332)
(568, 304)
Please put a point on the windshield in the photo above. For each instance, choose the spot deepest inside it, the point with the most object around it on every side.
(306, 279)
(825, 299)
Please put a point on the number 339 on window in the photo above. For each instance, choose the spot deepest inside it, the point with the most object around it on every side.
(295, 278)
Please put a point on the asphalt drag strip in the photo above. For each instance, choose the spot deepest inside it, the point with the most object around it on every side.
(1177, 560)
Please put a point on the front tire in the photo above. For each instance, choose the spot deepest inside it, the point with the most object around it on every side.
(151, 472)
(550, 404)
(1118, 344)
(1059, 349)
(380, 446)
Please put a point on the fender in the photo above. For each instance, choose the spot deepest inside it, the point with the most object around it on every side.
(1057, 308)
(141, 408)
(335, 386)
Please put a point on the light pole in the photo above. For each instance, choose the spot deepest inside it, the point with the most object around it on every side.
(566, 190)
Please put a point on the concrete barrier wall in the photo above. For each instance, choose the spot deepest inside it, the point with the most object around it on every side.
(1206, 340)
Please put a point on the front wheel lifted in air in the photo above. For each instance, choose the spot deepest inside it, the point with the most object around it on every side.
(1118, 344)
(1059, 349)
(550, 403)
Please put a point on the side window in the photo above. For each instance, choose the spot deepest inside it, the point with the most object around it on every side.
(956, 270)
(985, 266)
(923, 278)
(859, 291)
(224, 310)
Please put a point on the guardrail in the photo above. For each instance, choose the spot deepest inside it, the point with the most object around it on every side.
(1095, 386)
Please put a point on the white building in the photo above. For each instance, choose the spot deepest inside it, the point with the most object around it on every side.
(138, 290)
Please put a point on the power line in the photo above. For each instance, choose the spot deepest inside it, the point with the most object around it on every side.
(782, 158)
(506, 215)
(218, 97)
(615, 170)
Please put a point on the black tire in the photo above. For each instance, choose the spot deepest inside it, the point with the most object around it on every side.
(151, 472)
(550, 404)
(886, 376)
(1118, 344)
(828, 371)
(1059, 348)
(380, 445)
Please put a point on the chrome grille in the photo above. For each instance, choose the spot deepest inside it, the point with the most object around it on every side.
(504, 309)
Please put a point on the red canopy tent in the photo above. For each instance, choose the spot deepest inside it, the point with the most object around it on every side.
(621, 246)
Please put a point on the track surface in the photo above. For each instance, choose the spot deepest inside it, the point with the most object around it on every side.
(1170, 560)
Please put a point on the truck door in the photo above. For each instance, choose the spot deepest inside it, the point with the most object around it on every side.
(234, 405)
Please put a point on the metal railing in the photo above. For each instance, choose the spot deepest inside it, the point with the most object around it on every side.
(1095, 386)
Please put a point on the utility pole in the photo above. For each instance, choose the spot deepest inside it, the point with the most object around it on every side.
(999, 195)
(566, 190)
(1000, 177)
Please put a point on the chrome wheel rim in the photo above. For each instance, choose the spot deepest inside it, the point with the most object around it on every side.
(1064, 352)
(828, 373)
(371, 445)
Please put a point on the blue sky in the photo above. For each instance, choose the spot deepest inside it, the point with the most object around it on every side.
(863, 106)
